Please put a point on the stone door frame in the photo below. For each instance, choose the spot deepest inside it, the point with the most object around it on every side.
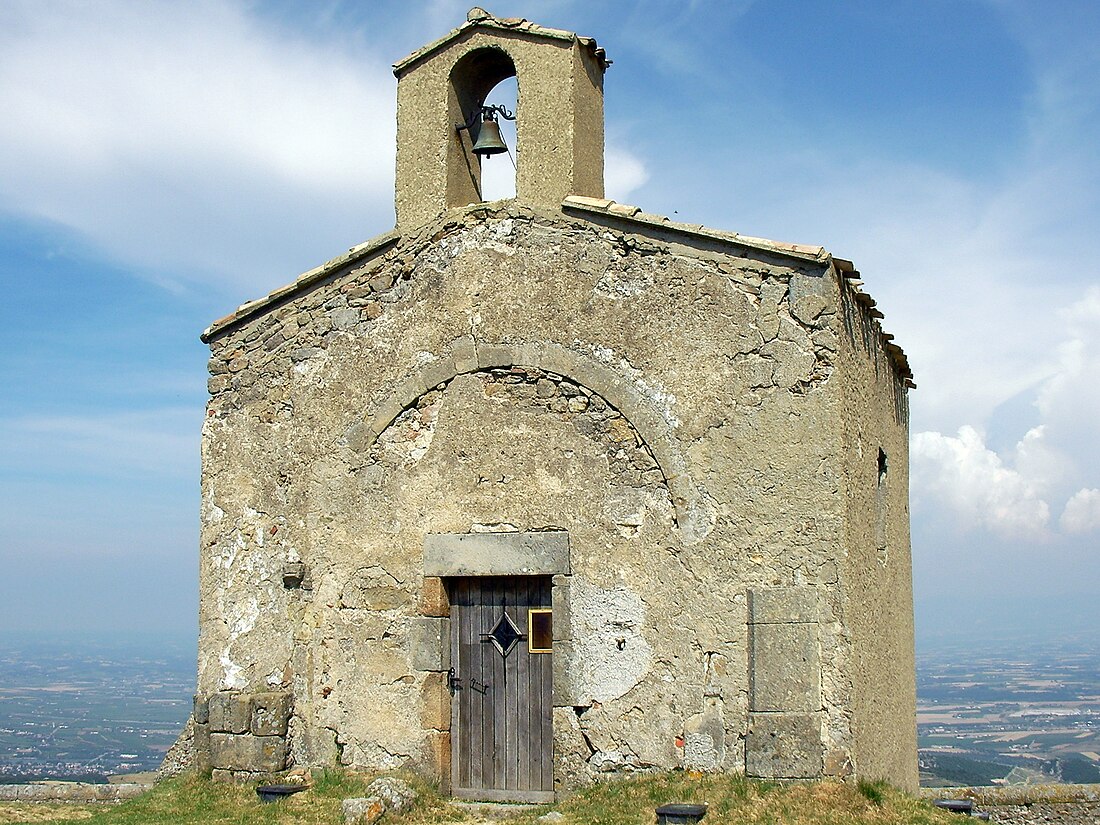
(449, 556)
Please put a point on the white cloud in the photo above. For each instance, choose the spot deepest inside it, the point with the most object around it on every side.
(962, 474)
(190, 134)
(1070, 397)
(1013, 493)
(1082, 513)
(623, 173)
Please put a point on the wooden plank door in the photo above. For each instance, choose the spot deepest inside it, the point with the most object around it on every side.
(501, 711)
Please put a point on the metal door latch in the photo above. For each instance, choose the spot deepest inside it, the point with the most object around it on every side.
(454, 684)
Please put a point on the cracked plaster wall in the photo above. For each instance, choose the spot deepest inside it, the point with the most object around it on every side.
(726, 475)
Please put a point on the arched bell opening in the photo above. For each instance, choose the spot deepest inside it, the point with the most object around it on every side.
(473, 78)
(498, 174)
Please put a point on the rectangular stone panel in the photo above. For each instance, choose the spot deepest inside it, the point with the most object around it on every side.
(200, 710)
(783, 745)
(496, 554)
(786, 667)
(779, 605)
(229, 713)
(270, 713)
(201, 744)
(264, 754)
(433, 598)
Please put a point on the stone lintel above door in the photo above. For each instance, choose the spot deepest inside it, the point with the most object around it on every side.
(497, 554)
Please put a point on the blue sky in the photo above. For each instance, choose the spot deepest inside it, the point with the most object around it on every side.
(161, 163)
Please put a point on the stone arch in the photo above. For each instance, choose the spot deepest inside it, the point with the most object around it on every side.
(693, 509)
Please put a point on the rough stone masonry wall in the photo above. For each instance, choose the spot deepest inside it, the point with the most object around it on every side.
(878, 600)
(671, 406)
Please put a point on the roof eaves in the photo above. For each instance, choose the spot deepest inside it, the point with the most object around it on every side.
(850, 276)
(303, 281)
(481, 19)
(604, 206)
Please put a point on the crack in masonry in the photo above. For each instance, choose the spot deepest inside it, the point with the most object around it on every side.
(592, 750)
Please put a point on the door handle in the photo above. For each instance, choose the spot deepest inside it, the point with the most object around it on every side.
(454, 684)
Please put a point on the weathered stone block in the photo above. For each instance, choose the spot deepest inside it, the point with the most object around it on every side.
(202, 747)
(270, 713)
(563, 691)
(262, 754)
(344, 318)
(489, 356)
(777, 605)
(433, 598)
(783, 745)
(397, 794)
(367, 590)
(464, 353)
(438, 745)
(200, 709)
(786, 667)
(560, 601)
(230, 713)
(496, 554)
(436, 702)
(429, 643)
(705, 738)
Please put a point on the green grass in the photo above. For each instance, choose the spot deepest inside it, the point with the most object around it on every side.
(191, 800)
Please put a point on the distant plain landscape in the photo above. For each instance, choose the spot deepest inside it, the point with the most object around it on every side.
(86, 708)
(991, 712)
(1010, 711)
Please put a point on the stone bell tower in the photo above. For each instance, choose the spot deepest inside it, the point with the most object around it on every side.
(559, 118)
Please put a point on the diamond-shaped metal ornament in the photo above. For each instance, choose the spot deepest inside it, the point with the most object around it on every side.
(505, 634)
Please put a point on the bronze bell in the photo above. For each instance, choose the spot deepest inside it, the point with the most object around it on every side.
(489, 140)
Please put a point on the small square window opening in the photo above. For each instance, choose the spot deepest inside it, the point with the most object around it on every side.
(540, 630)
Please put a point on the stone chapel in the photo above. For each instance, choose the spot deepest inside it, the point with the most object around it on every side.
(525, 493)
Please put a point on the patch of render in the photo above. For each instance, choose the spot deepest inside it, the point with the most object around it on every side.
(610, 654)
(623, 277)
(591, 736)
(492, 235)
(794, 327)
(370, 755)
(242, 565)
(660, 398)
(210, 512)
(232, 673)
